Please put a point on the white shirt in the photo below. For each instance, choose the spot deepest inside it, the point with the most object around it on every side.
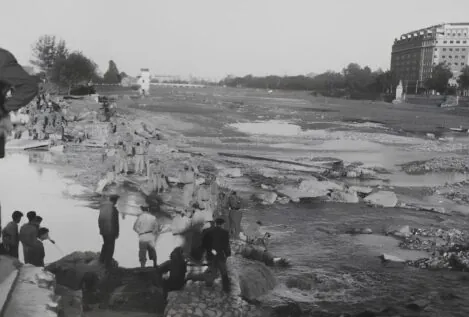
(146, 223)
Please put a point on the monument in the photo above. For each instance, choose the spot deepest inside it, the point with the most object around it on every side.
(399, 90)
(144, 82)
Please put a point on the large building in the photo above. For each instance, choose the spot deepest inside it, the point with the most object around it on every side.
(415, 53)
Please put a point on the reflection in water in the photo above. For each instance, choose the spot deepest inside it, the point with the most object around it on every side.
(73, 226)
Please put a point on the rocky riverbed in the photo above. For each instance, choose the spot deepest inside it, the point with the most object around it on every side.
(312, 177)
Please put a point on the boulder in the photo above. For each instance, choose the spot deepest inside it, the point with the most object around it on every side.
(361, 189)
(345, 197)
(390, 258)
(311, 188)
(266, 198)
(403, 232)
(230, 172)
(382, 198)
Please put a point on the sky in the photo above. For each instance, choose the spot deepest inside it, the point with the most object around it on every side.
(214, 38)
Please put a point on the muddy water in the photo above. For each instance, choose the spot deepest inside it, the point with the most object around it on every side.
(342, 273)
(72, 225)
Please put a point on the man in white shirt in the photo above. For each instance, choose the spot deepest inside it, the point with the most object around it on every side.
(147, 228)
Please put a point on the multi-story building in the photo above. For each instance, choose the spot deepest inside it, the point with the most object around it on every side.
(415, 53)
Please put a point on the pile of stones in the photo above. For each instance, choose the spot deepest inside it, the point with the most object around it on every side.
(448, 248)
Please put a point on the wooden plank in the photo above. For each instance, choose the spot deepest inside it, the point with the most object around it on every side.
(18, 144)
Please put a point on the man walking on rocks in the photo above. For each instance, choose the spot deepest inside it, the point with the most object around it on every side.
(10, 234)
(146, 226)
(108, 228)
(216, 243)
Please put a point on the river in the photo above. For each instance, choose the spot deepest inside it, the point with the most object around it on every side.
(336, 271)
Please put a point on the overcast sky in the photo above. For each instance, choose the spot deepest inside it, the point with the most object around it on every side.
(212, 38)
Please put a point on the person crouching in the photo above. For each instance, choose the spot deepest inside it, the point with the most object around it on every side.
(177, 268)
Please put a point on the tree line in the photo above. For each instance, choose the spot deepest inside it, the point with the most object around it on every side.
(354, 81)
(68, 69)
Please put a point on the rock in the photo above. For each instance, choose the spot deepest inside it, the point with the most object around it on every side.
(311, 188)
(401, 232)
(266, 198)
(390, 258)
(231, 172)
(361, 189)
(431, 136)
(57, 149)
(345, 197)
(382, 198)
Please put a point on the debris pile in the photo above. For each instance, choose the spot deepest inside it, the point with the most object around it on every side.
(449, 249)
(439, 164)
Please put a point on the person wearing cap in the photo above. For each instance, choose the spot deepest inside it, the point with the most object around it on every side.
(216, 243)
(10, 234)
(36, 252)
(28, 234)
(108, 222)
(146, 226)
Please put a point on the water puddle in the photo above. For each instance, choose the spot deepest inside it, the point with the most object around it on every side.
(72, 224)
(379, 245)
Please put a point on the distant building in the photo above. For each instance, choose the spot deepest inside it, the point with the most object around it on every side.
(415, 53)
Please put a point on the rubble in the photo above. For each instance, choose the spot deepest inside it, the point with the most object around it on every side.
(439, 164)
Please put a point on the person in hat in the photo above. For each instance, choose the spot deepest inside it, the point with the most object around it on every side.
(10, 234)
(108, 228)
(147, 228)
(28, 234)
(36, 252)
(216, 243)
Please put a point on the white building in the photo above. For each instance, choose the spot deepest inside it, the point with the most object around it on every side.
(144, 81)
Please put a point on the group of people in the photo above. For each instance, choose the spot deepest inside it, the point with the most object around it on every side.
(214, 242)
(31, 235)
(130, 151)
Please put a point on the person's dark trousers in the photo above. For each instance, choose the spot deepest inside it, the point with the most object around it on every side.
(218, 264)
(14, 251)
(107, 251)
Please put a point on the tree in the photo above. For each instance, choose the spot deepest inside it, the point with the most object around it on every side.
(123, 75)
(463, 79)
(74, 69)
(441, 74)
(112, 75)
(46, 51)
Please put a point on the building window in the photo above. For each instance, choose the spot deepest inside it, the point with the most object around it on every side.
(436, 49)
(444, 50)
(464, 42)
(462, 64)
(450, 56)
(450, 49)
(451, 42)
(459, 34)
(456, 64)
(444, 42)
(458, 42)
(457, 49)
(444, 56)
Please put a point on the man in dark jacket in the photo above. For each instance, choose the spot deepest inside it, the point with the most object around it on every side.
(10, 234)
(24, 89)
(28, 234)
(36, 252)
(108, 228)
(216, 243)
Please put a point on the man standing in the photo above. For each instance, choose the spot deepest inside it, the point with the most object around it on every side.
(10, 234)
(216, 243)
(24, 86)
(187, 177)
(37, 253)
(139, 158)
(108, 228)
(28, 234)
(235, 214)
(146, 226)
